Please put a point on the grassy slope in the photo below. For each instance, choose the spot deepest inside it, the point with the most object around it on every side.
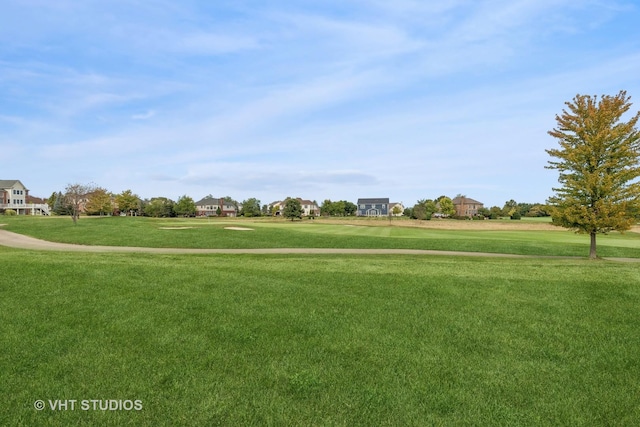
(211, 234)
(313, 340)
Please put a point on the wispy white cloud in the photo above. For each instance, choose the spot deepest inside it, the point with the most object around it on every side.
(405, 99)
(144, 116)
(211, 43)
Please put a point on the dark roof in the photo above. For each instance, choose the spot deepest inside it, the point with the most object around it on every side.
(37, 200)
(207, 201)
(465, 201)
(372, 201)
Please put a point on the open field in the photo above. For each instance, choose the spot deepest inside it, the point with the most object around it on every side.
(511, 237)
(318, 339)
(311, 340)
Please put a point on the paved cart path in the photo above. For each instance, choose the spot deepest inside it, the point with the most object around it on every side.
(20, 241)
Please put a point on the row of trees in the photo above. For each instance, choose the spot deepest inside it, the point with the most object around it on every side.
(339, 208)
(442, 206)
(94, 200)
(425, 209)
(515, 210)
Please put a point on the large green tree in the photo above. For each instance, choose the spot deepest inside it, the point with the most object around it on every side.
(160, 207)
(99, 202)
(292, 209)
(598, 163)
(510, 207)
(424, 209)
(251, 207)
(60, 206)
(128, 202)
(446, 206)
(339, 208)
(52, 199)
(185, 206)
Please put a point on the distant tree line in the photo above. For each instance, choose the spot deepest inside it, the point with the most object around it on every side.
(94, 200)
(339, 208)
(443, 207)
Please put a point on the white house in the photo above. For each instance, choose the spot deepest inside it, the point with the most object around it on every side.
(309, 208)
(13, 195)
(213, 206)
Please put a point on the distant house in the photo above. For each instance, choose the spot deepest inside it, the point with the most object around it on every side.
(373, 207)
(212, 206)
(396, 207)
(309, 208)
(14, 195)
(466, 207)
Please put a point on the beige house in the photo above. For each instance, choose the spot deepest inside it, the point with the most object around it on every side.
(14, 195)
(396, 207)
(213, 206)
(309, 208)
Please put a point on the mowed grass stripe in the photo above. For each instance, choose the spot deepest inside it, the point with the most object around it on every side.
(204, 233)
(319, 340)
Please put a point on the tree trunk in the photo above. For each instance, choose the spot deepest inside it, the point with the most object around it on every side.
(592, 249)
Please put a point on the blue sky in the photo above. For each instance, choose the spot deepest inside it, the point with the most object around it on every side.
(406, 99)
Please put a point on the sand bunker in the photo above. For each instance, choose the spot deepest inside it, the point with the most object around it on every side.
(174, 228)
(239, 228)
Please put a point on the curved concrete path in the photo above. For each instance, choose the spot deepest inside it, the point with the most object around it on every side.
(20, 241)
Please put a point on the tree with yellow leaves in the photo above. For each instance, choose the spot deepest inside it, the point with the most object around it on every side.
(598, 164)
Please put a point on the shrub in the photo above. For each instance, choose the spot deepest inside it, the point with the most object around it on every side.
(516, 215)
(460, 217)
(10, 212)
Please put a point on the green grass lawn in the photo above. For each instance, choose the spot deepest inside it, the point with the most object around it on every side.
(203, 233)
(319, 340)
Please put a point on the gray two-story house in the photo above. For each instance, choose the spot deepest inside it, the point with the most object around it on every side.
(373, 207)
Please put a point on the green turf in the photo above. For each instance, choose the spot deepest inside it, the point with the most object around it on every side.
(319, 340)
(119, 231)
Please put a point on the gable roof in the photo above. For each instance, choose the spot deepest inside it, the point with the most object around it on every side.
(8, 183)
(215, 201)
(207, 201)
(306, 202)
(373, 201)
(465, 201)
(302, 202)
